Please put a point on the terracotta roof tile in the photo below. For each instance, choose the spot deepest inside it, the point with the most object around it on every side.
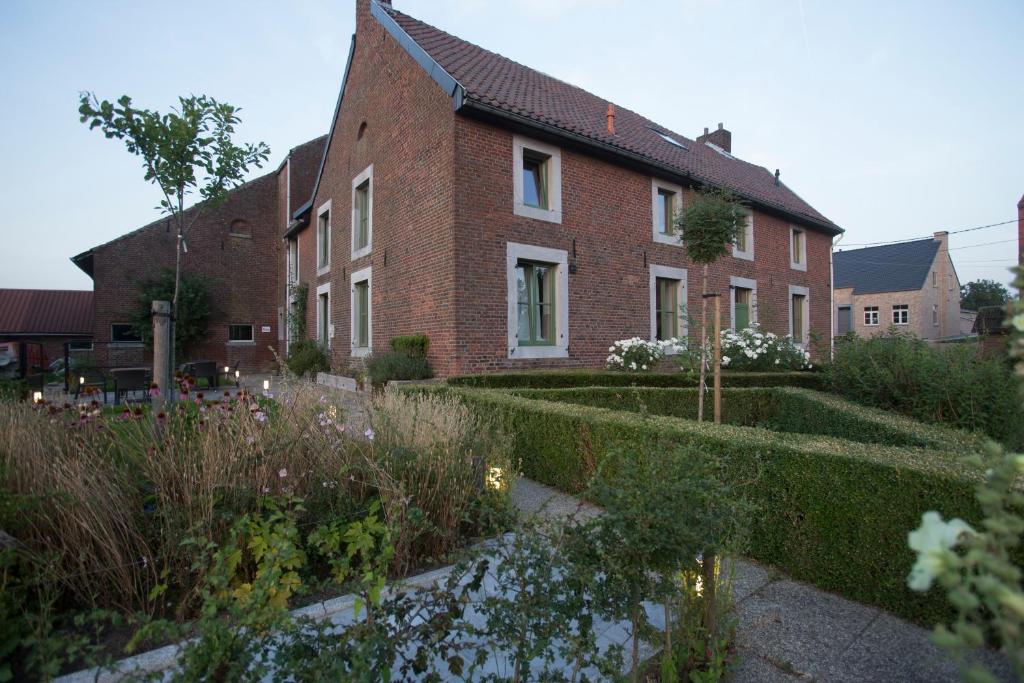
(499, 82)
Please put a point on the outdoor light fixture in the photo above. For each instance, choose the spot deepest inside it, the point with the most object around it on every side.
(266, 385)
(81, 380)
(237, 374)
(37, 397)
(226, 369)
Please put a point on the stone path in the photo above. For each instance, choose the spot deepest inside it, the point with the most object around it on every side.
(790, 631)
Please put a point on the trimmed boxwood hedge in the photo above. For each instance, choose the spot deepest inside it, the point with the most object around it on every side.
(831, 512)
(781, 409)
(558, 379)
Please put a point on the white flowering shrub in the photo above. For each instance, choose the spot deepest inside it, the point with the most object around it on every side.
(639, 355)
(752, 349)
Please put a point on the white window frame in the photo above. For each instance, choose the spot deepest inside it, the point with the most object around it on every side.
(871, 309)
(242, 342)
(560, 259)
(323, 268)
(748, 228)
(324, 289)
(681, 292)
(806, 331)
(293, 277)
(745, 283)
(901, 308)
(366, 174)
(803, 249)
(553, 213)
(677, 205)
(364, 275)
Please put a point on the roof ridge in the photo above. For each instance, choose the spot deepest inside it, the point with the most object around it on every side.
(885, 246)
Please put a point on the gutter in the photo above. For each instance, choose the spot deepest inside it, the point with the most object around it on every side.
(832, 297)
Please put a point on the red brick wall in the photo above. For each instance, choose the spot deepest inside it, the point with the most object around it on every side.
(409, 141)
(241, 271)
(607, 209)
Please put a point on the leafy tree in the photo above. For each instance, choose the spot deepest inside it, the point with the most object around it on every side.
(980, 293)
(194, 309)
(709, 223)
(186, 151)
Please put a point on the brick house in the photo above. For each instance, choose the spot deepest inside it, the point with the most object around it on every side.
(46, 319)
(520, 221)
(235, 246)
(911, 285)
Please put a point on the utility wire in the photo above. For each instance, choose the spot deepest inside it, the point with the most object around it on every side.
(915, 239)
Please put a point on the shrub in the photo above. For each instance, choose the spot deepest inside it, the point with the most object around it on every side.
(307, 357)
(781, 409)
(948, 384)
(753, 350)
(13, 390)
(415, 345)
(831, 512)
(638, 355)
(397, 365)
(552, 379)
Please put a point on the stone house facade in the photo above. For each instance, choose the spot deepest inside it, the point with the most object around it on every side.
(520, 222)
(911, 286)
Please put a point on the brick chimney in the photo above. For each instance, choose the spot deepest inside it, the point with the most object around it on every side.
(720, 138)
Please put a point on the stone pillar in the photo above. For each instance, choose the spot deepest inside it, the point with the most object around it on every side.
(162, 371)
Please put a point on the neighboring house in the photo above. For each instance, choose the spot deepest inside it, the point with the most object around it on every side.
(520, 221)
(235, 246)
(911, 285)
(967, 319)
(43, 320)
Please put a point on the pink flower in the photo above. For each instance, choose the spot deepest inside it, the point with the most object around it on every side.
(282, 473)
(368, 434)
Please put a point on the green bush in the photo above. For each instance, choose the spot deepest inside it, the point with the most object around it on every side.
(415, 345)
(13, 390)
(307, 357)
(558, 379)
(396, 365)
(948, 384)
(831, 512)
(781, 409)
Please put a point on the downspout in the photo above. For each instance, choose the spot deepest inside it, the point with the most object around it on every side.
(832, 297)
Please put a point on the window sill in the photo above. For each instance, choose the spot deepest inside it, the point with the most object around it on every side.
(126, 345)
(744, 255)
(798, 266)
(361, 351)
(360, 253)
(528, 352)
(661, 238)
(549, 215)
(240, 343)
(323, 271)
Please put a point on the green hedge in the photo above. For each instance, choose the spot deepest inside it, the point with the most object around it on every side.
(560, 379)
(831, 512)
(781, 409)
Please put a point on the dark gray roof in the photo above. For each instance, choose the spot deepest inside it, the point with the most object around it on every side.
(888, 268)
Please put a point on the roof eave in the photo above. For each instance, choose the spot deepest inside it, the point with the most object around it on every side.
(84, 261)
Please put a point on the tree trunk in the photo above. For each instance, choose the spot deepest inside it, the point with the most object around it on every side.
(171, 360)
(703, 345)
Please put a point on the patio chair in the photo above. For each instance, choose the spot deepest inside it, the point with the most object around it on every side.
(202, 369)
(129, 380)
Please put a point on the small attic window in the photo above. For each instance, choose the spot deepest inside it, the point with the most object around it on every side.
(668, 138)
(240, 228)
(362, 129)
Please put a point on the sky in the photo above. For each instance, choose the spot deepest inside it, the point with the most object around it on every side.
(894, 119)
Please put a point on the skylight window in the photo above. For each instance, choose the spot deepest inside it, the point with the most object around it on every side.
(718, 149)
(669, 139)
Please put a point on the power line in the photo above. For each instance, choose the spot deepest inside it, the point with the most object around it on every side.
(914, 239)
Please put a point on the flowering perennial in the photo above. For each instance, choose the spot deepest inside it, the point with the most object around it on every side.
(752, 349)
(638, 354)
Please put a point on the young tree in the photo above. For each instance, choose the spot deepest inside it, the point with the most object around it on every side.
(980, 293)
(186, 151)
(193, 312)
(709, 222)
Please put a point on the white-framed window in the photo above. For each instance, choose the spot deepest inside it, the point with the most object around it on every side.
(362, 213)
(743, 247)
(536, 180)
(323, 238)
(361, 284)
(797, 249)
(871, 315)
(666, 201)
(668, 302)
(293, 261)
(324, 328)
(538, 301)
(125, 334)
(799, 314)
(240, 334)
(900, 314)
(742, 302)
(935, 314)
